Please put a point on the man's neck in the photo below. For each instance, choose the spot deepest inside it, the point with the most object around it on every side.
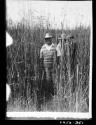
(49, 44)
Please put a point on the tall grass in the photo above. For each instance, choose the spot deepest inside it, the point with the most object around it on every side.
(23, 73)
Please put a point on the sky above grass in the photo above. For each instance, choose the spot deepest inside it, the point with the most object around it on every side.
(70, 13)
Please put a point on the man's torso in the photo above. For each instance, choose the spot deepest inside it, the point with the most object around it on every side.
(48, 54)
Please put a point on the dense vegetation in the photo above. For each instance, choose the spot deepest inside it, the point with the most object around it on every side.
(23, 70)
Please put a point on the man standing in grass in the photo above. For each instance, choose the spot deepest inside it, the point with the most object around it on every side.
(59, 47)
(73, 48)
(49, 57)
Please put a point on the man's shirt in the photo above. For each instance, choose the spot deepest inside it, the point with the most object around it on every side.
(48, 53)
(58, 48)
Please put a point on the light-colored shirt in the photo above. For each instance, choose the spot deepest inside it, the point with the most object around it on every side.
(48, 52)
(58, 48)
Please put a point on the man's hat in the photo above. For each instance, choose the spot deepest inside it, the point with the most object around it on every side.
(47, 36)
(62, 36)
(59, 38)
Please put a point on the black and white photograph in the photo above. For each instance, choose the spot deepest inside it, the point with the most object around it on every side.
(49, 59)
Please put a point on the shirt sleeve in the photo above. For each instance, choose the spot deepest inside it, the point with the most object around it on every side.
(58, 49)
(41, 53)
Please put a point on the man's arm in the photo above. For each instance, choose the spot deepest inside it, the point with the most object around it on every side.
(58, 54)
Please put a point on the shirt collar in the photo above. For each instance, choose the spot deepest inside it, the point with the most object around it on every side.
(49, 46)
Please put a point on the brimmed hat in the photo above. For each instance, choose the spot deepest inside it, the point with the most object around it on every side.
(47, 36)
(62, 36)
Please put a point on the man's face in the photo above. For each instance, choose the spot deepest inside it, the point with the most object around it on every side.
(48, 41)
(60, 40)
